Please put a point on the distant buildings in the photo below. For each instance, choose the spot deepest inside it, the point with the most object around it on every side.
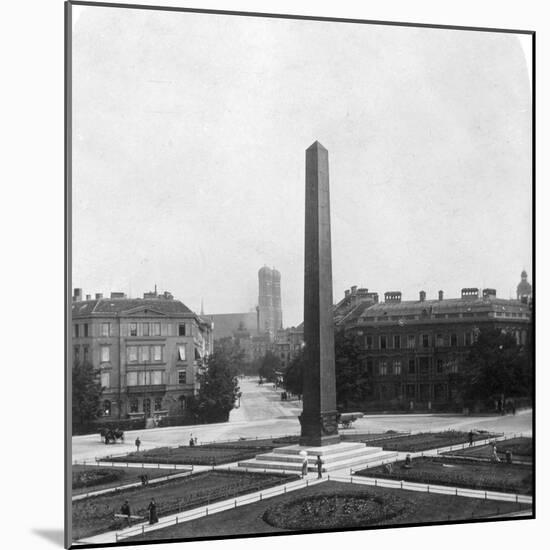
(524, 290)
(148, 350)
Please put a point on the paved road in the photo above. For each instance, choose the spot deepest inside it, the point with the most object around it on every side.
(263, 414)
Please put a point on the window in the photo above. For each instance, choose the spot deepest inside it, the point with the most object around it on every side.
(181, 329)
(383, 368)
(181, 352)
(383, 342)
(439, 340)
(105, 329)
(145, 329)
(425, 340)
(369, 366)
(131, 352)
(105, 380)
(105, 354)
(133, 329)
(85, 330)
(454, 339)
(453, 366)
(424, 365)
(368, 342)
(157, 353)
(411, 341)
(131, 380)
(181, 400)
(106, 408)
(86, 354)
(144, 354)
(158, 403)
(396, 341)
(182, 376)
(397, 367)
(467, 338)
(75, 330)
(156, 377)
(411, 366)
(411, 391)
(76, 353)
(155, 329)
(134, 405)
(439, 366)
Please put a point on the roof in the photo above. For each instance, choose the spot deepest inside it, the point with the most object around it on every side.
(120, 306)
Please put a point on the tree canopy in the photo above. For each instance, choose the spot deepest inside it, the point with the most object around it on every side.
(495, 367)
(87, 390)
(269, 365)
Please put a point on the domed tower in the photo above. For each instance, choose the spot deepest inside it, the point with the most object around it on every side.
(277, 307)
(524, 290)
(265, 300)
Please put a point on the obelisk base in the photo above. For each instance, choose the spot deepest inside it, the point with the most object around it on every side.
(319, 429)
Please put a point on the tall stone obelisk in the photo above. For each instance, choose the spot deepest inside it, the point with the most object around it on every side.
(319, 416)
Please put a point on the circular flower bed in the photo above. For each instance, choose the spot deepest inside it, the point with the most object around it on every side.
(333, 511)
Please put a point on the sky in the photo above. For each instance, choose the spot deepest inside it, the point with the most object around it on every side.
(189, 138)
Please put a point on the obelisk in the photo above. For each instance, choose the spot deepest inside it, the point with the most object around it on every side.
(319, 416)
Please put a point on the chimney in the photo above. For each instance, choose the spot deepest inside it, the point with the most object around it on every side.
(440, 295)
(488, 292)
(354, 289)
(470, 293)
(392, 296)
(88, 297)
(346, 293)
(77, 295)
(422, 295)
(98, 295)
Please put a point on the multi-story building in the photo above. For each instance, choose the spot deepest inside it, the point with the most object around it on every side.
(414, 347)
(270, 315)
(148, 351)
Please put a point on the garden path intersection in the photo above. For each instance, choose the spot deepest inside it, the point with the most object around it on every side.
(89, 447)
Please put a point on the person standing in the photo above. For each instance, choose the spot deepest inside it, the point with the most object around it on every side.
(138, 443)
(125, 511)
(471, 438)
(153, 518)
(319, 464)
(304, 467)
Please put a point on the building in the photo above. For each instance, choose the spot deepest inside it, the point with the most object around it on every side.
(270, 315)
(414, 347)
(148, 350)
(225, 324)
(524, 290)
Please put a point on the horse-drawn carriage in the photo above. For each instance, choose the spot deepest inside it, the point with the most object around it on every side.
(111, 435)
(347, 419)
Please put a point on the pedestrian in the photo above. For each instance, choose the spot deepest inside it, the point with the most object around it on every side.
(191, 441)
(153, 518)
(494, 456)
(319, 464)
(196, 440)
(471, 438)
(138, 443)
(304, 467)
(125, 511)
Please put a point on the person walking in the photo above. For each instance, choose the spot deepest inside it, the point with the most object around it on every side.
(304, 467)
(125, 511)
(153, 518)
(319, 464)
(138, 443)
(470, 438)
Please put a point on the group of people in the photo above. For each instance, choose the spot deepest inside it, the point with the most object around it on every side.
(126, 511)
(318, 463)
(193, 440)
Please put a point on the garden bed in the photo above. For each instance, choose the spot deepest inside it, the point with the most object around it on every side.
(488, 476)
(332, 505)
(86, 479)
(96, 514)
(431, 440)
(520, 447)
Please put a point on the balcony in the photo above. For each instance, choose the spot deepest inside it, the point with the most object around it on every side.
(153, 388)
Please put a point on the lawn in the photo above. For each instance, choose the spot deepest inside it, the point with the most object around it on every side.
(499, 477)
(96, 478)
(520, 447)
(96, 514)
(431, 440)
(333, 505)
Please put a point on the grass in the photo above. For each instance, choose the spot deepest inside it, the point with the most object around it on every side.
(520, 447)
(96, 514)
(499, 477)
(96, 478)
(386, 506)
(431, 440)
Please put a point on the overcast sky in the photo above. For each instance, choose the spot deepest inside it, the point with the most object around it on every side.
(189, 138)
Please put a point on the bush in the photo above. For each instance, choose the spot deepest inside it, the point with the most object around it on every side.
(180, 420)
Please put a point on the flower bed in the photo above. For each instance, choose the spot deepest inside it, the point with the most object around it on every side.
(96, 514)
(499, 477)
(431, 440)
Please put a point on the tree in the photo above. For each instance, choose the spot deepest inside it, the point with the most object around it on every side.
(352, 381)
(219, 388)
(496, 367)
(293, 379)
(87, 392)
(269, 365)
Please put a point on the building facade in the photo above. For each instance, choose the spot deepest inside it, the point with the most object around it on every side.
(270, 314)
(413, 348)
(148, 351)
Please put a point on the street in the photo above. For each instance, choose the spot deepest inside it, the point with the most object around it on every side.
(263, 414)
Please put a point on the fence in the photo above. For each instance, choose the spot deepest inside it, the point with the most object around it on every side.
(219, 507)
